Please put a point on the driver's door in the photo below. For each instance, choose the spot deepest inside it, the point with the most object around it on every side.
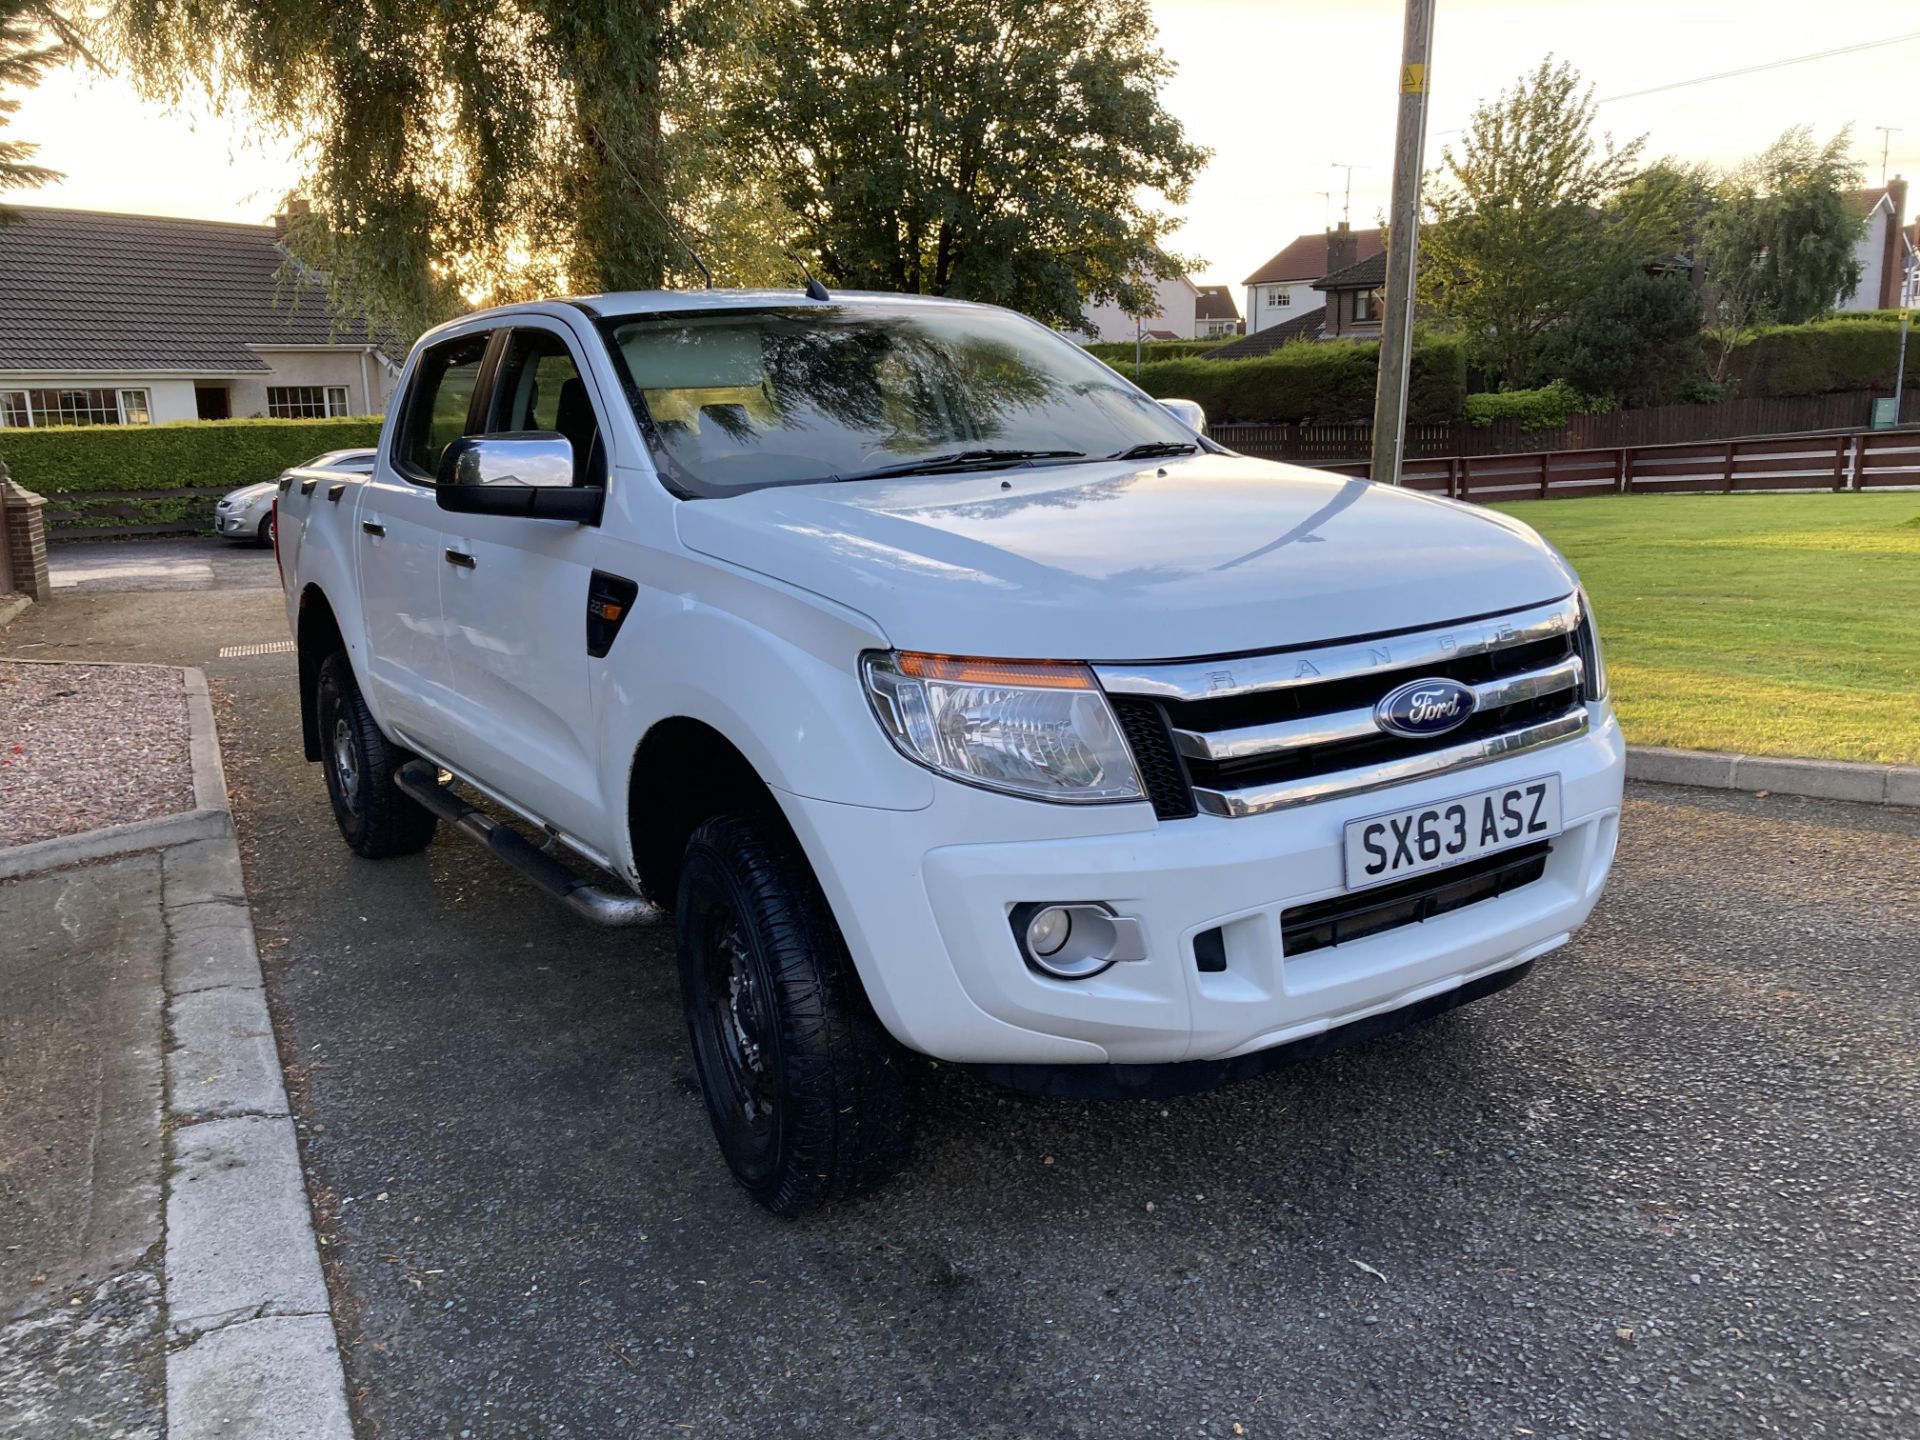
(514, 599)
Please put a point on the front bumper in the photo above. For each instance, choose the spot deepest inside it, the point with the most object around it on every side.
(234, 523)
(923, 899)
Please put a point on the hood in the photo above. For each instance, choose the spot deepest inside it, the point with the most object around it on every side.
(1207, 555)
(247, 494)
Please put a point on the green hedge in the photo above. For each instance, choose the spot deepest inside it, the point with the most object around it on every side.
(1853, 354)
(1326, 382)
(1119, 353)
(72, 467)
(1547, 408)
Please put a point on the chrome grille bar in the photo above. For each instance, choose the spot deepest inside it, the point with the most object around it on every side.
(1254, 740)
(1247, 674)
(1259, 799)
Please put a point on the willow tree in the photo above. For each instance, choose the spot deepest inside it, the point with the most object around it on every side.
(1006, 150)
(34, 38)
(465, 149)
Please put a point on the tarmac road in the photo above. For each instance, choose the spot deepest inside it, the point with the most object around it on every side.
(1665, 1187)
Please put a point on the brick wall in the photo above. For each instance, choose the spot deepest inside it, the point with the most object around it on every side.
(26, 538)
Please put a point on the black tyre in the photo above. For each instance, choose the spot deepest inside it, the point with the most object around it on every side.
(265, 535)
(376, 819)
(804, 1087)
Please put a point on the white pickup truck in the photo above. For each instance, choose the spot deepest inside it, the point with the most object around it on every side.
(948, 695)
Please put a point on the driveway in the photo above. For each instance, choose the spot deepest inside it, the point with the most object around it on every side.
(1664, 1187)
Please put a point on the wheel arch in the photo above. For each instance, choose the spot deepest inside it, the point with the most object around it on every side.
(685, 771)
(317, 635)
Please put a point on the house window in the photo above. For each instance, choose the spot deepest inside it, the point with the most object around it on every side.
(306, 402)
(1281, 296)
(1366, 304)
(44, 409)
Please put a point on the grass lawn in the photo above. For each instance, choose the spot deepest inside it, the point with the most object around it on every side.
(1769, 624)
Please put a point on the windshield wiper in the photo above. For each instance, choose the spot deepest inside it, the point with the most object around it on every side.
(962, 460)
(1155, 447)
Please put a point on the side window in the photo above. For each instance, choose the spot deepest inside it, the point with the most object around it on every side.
(539, 388)
(437, 404)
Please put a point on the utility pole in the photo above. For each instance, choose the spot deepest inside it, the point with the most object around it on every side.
(1346, 205)
(1403, 247)
(1887, 132)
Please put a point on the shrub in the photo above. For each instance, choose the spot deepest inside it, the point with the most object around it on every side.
(1328, 382)
(98, 476)
(1636, 338)
(1547, 408)
(1852, 354)
(1119, 353)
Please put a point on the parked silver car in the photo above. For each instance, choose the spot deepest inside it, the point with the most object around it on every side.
(247, 513)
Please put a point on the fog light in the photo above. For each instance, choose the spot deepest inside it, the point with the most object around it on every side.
(1076, 941)
(1048, 931)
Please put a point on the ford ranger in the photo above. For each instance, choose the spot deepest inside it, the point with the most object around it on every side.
(946, 694)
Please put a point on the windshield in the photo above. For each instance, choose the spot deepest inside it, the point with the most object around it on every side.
(737, 399)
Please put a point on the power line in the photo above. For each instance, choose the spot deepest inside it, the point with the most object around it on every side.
(1748, 70)
(1766, 65)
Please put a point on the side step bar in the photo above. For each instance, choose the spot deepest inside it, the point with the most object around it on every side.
(421, 780)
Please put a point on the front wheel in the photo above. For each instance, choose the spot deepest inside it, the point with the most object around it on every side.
(802, 1084)
(265, 533)
(376, 819)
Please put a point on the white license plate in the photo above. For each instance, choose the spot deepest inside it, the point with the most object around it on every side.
(1399, 843)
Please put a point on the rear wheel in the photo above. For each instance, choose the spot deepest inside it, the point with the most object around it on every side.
(803, 1086)
(376, 819)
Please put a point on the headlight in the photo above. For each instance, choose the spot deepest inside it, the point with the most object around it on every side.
(1037, 729)
(1586, 641)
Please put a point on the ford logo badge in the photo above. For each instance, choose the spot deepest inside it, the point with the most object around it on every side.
(1425, 707)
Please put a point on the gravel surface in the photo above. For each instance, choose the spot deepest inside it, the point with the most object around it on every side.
(84, 746)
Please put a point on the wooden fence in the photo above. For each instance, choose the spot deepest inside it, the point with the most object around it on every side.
(1864, 460)
(1656, 425)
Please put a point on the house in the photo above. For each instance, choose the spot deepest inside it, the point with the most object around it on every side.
(1215, 314)
(1355, 297)
(1174, 317)
(137, 319)
(1882, 247)
(1283, 287)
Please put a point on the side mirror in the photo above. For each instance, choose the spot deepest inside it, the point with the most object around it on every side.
(529, 474)
(1188, 413)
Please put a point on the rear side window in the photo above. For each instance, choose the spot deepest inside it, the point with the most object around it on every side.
(438, 403)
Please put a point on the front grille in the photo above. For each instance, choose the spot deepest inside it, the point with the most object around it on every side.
(1346, 918)
(1249, 734)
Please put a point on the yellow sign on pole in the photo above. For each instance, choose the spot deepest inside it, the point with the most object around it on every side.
(1413, 79)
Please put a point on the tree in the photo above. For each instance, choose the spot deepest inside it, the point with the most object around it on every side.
(1635, 338)
(33, 39)
(1531, 213)
(993, 149)
(1778, 241)
(468, 149)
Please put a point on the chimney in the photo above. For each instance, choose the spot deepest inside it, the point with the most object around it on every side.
(1342, 248)
(291, 208)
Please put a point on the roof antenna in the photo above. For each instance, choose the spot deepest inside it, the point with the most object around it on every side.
(815, 290)
(679, 233)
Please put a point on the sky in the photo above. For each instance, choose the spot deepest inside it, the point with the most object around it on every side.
(1282, 91)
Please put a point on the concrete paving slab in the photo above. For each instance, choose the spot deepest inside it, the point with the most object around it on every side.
(271, 1379)
(80, 1077)
(223, 1060)
(1680, 767)
(202, 871)
(89, 1364)
(1821, 779)
(239, 1234)
(208, 945)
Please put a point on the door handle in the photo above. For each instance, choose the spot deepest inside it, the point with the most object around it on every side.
(460, 558)
(373, 527)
